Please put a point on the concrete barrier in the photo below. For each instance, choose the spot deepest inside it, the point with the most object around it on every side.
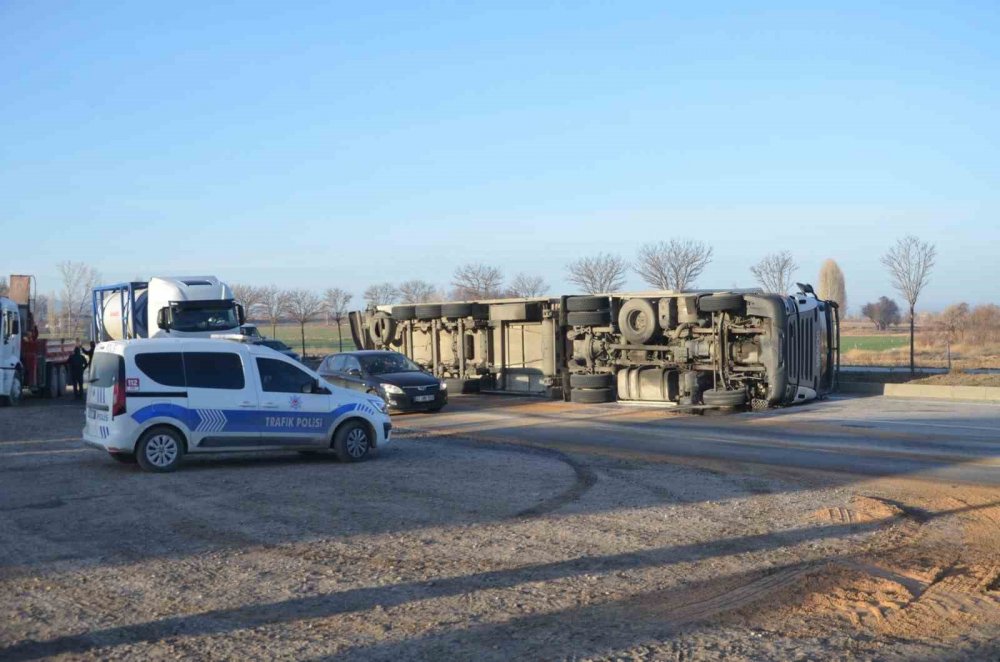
(924, 391)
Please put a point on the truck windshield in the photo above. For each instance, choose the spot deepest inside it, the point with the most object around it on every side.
(195, 316)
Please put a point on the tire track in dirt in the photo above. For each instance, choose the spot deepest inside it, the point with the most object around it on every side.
(584, 477)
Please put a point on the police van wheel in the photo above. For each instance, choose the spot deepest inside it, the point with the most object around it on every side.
(352, 442)
(160, 450)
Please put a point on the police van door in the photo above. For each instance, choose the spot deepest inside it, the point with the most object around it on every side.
(295, 412)
(224, 398)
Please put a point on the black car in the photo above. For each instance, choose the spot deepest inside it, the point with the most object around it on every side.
(400, 381)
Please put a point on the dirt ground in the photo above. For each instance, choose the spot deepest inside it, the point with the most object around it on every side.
(461, 541)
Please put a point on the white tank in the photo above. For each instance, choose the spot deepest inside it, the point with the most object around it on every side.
(113, 315)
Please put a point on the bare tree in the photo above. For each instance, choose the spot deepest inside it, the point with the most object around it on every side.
(774, 272)
(381, 294)
(673, 265)
(477, 281)
(4, 288)
(274, 301)
(416, 291)
(831, 285)
(598, 273)
(303, 306)
(524, 285)
(250, 296)
(909, 263)
(78, 279)
(336, 301)
(41, 311)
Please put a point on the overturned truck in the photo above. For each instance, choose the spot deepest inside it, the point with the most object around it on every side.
(690, 349)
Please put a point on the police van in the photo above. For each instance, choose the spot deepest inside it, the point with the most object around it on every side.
(152, 401)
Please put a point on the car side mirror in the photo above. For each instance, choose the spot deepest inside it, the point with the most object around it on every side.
(354, 372)
(163, 319)
(241, 313)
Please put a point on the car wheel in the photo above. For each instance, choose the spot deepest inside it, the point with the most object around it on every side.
(352, 442)
(721, 303)
(160, 450)
(591, 396)
(721, 398)
(637, 321)
(586, 304)
(592, 318)
(600, 380)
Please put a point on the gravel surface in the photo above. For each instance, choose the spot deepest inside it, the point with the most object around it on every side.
(452, 547)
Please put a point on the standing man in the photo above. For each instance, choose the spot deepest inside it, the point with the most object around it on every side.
(77, 364)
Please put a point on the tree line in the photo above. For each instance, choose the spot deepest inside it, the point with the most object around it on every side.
(674, 264)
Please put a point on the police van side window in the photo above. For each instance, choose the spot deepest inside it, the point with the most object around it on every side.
(223, 370)
(165, 368)
(280, 377)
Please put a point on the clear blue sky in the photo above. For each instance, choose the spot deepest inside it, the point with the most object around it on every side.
(336, 144)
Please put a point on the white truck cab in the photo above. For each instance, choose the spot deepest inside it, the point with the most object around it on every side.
(153, 401)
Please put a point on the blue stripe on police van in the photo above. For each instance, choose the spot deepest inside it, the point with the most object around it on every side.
(243, 420)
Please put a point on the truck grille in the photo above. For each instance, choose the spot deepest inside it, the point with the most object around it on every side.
(801, 350)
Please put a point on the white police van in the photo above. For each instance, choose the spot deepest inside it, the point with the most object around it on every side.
(153, 400)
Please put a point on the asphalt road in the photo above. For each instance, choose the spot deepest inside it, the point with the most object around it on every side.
(874, 436)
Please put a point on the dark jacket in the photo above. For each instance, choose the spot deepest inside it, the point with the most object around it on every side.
(77, 364)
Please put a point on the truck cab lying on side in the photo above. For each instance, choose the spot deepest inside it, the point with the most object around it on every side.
(706, 348)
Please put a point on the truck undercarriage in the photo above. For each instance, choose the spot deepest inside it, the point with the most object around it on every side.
(692, 349)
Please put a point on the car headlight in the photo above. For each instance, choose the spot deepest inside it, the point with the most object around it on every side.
(392, 388)
(444, 386)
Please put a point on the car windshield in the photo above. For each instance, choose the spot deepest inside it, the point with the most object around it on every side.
(203, 316)
(381, 364)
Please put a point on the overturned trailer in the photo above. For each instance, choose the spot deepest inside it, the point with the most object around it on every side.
(695, 349)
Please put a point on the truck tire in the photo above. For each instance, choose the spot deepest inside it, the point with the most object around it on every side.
(591, 396)
(13, 397)
(404, 312)
(721, 303)
(160, 450)
(52, 382)
(459, 386)
(427, 311)
(591, 318)
(586, 304)
(600, 380)
(352, 442)
(382, 326)
(457, 310)
(720, 398)
(637, 321)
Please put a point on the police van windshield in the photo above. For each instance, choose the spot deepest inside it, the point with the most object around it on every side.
(383, 364)
(203, 316)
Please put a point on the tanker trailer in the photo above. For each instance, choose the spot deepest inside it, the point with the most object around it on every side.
(176, 307)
